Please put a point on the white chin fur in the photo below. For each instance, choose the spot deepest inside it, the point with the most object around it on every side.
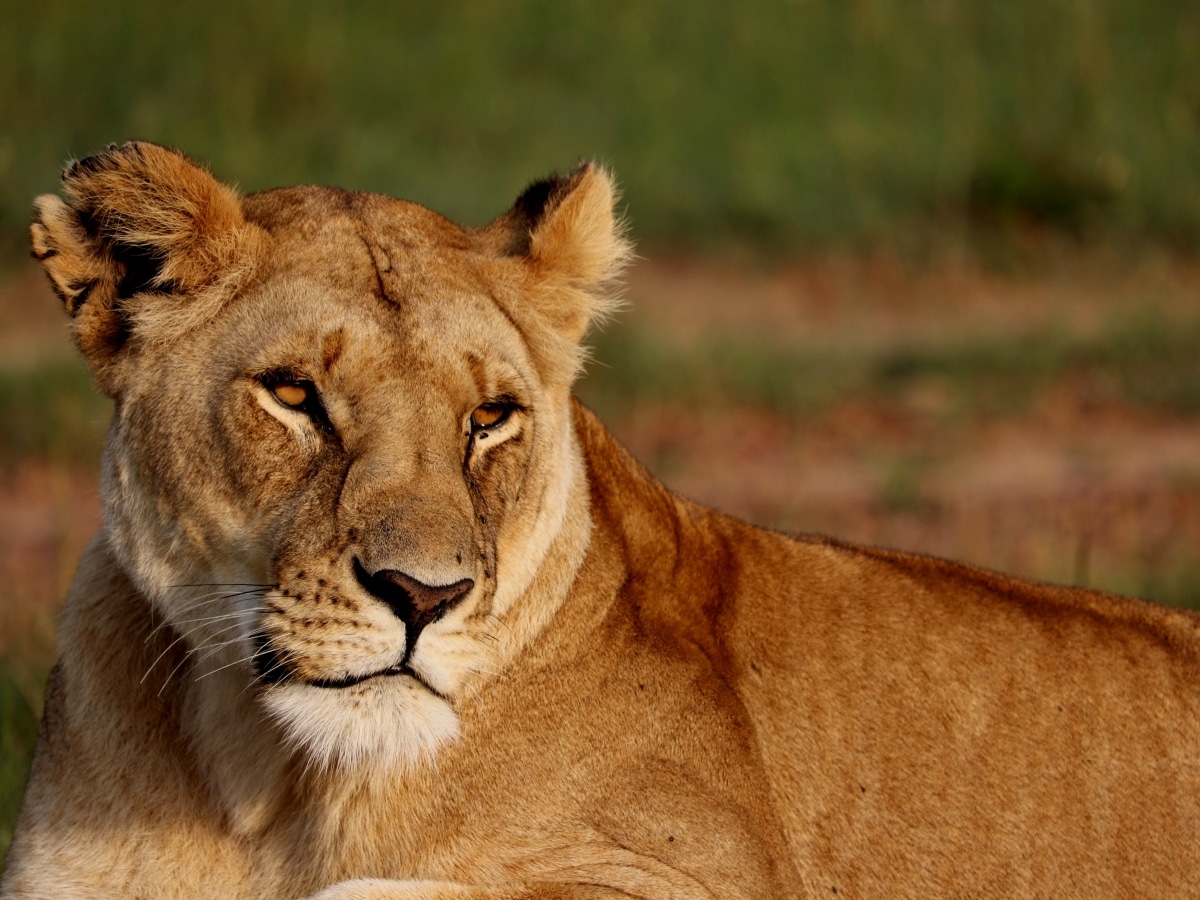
(388, 722)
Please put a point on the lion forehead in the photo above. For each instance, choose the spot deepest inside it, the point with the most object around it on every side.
(360, 241)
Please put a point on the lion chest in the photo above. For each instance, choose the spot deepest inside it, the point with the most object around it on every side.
(633, 755)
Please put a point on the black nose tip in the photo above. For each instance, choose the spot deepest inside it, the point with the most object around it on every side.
(414, 603)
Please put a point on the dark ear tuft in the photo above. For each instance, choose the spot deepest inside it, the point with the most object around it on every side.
(535, 201)
(99, 162)
(143, 268)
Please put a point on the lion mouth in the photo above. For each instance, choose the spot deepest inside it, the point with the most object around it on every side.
(271, 669)
(389, 672)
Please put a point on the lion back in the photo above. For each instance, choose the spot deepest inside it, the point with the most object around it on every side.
(922, 723)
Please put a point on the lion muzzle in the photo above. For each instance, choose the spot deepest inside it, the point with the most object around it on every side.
(413, 602)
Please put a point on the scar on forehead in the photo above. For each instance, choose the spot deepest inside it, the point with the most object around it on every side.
(331, 348)
(478, 374)
(382, 263)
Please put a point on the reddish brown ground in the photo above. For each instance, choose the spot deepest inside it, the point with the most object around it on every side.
(1080, 487)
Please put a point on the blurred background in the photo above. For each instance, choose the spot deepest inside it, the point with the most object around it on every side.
(921, 273)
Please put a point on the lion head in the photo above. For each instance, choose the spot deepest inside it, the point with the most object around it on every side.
(341, 466)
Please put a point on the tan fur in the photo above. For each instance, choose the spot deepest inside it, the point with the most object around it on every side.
(636, 696)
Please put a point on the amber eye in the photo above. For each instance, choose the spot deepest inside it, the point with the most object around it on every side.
(292, 394)
(489, 415)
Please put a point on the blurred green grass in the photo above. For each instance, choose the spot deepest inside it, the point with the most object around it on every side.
(764, 124)
(51, 412)
(20, 709)
(1149, 362)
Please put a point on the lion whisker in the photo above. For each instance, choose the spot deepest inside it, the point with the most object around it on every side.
(184, 608)
(201, 620)
(182, 636)
(170, 674)
(214, 648)
(221, 617)
(165, 651)
(250, 584)
(282, 657)
(206, 599)
(244, 659)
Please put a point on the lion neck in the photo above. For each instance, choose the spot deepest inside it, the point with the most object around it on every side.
(540, 561)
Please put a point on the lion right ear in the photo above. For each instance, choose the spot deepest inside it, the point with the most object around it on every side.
(571, 244)
(146, 247)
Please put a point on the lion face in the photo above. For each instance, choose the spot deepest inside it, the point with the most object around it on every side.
(364, 474)
(341, 453)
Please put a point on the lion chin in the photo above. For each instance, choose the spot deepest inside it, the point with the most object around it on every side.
(379, 611)
(386, 721)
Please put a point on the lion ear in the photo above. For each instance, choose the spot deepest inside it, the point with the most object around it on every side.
(147, 245)
(568, 234)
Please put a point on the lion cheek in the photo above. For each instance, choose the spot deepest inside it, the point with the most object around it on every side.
(171, 539)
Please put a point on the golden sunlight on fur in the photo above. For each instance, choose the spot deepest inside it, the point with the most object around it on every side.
(378, 611)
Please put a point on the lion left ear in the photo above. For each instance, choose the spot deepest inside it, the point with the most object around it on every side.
(573, 245)
(147, 244)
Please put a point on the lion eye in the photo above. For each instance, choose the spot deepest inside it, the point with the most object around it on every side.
(291, 394)
(489, 415)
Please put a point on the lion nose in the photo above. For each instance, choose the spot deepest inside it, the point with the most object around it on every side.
(414, 603)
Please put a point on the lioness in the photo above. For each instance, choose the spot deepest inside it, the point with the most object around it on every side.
(379, 611)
